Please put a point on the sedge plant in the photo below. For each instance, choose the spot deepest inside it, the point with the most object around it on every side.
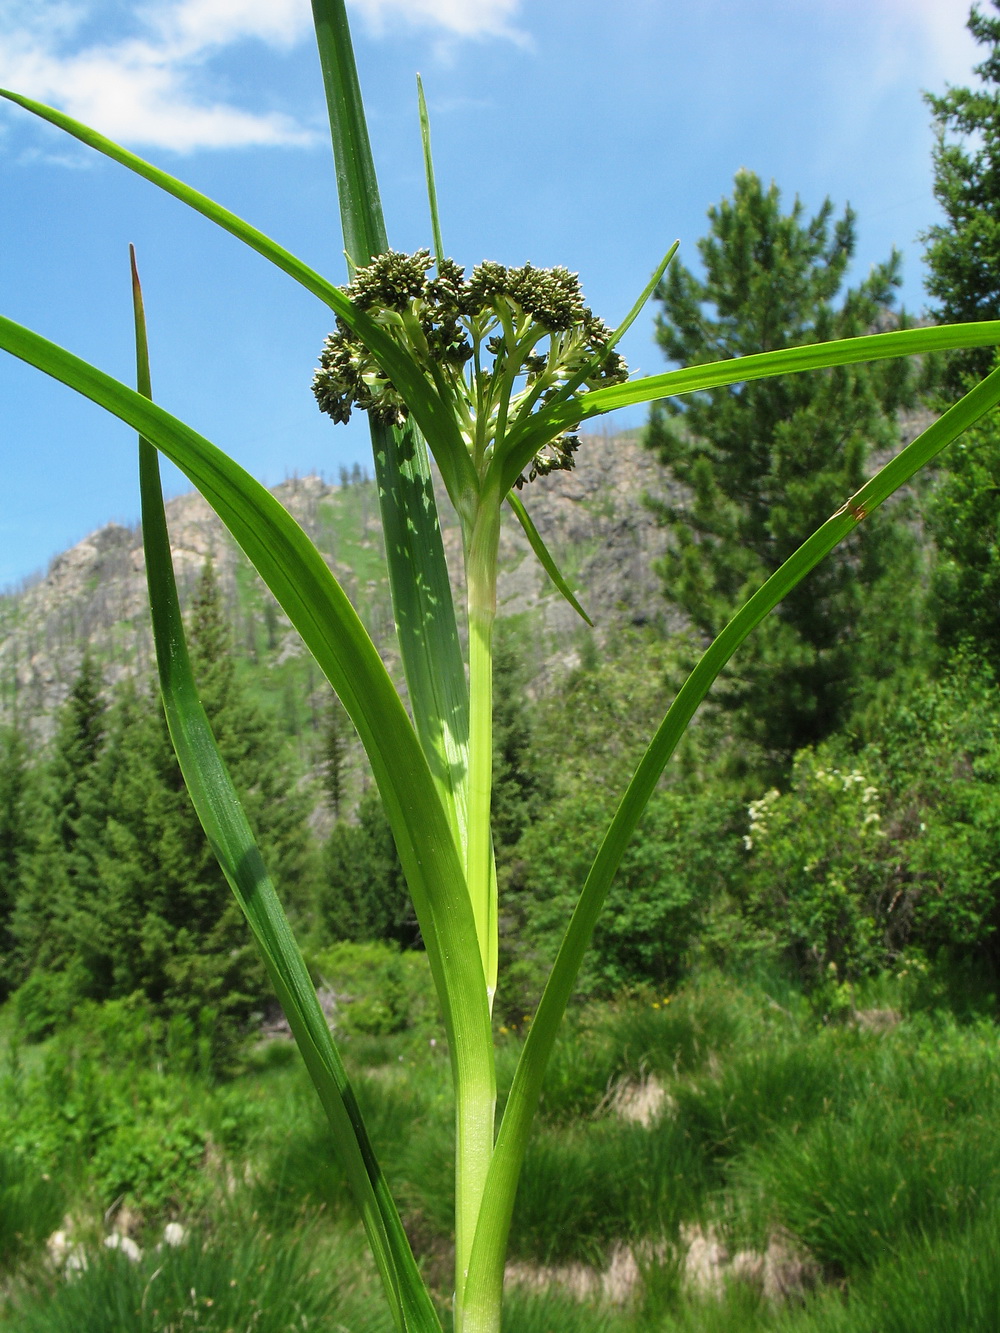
(490, 374)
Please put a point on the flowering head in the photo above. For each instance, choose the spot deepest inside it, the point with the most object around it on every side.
(493, 346)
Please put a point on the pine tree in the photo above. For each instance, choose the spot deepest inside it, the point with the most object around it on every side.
(364, 894)
(963, 517)
(762, 464)
(963, 260)
(963, 251)
(336, 748)
(15, 840)
(520, 787)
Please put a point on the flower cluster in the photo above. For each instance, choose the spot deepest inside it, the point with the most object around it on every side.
(496, 344)
(759, 812)
(849, 793)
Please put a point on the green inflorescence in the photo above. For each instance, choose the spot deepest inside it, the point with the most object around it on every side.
(495, 345)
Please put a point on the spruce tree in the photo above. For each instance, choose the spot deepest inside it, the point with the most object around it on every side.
(251, 746)
(336, 748)
(78, 746)
(62, 884)
(364, 895)
(56, 913)
(760, 465)
(173, 929)
(15, 840)
(963, 251)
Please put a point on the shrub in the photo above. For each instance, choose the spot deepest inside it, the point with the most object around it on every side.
(45, 1002)
(379, 989)
(818, 868)
(682, 856)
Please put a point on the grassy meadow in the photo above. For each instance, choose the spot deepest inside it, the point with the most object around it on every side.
(721, 1157)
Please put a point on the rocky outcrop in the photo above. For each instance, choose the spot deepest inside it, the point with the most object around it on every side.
(93, 596)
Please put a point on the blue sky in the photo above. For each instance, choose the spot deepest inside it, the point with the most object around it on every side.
(562, 133)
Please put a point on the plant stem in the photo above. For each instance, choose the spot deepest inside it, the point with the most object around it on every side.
(475, 1111)
(476, 1103)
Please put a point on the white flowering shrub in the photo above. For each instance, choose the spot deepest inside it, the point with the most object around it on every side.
(819, 869)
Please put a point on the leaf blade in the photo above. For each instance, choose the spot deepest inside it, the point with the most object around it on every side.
(424, 611)
(419, 585)
(544, 557)
(357, 184)
(432, 199)
(761, 365)
(318, 608)
(221, 814)
(792, 360)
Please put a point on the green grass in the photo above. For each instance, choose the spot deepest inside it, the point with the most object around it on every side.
(916, 1153)
(238, 1278)
(585, 1188)
(31, 1205)
(875, 1152)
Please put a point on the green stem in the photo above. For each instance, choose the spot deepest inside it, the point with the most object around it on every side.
(475, 1117)
(476, 1108)
(477, 1103)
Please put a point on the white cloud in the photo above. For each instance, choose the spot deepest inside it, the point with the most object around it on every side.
(142, 87)
(950, 48)
(460, 18)
(926, 38)
(192, 26)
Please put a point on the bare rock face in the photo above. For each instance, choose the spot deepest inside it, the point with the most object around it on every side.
(602, 534)
(93, 596)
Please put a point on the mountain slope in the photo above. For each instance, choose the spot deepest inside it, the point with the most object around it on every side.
(93, 595)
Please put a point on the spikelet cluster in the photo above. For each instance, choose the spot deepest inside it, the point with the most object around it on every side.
(523, 333)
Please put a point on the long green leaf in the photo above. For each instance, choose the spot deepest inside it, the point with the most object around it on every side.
(357, 185)
(319, 609)
(434, 419)
(221, 814)
(432, 198)
(486, 1269)
(542, 553)
(419, 585)
(548, 422)
(643, 296)
(424, 612)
